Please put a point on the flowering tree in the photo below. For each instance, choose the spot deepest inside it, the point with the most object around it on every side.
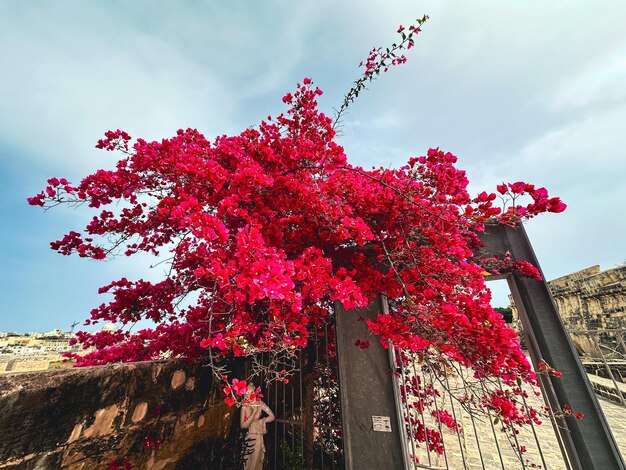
(263, 231)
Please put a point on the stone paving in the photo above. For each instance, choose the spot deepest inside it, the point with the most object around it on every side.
(616, 416)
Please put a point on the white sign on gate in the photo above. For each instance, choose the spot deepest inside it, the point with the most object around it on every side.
(381, 423)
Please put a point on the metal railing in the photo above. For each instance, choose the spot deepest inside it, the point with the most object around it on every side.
(607, 358)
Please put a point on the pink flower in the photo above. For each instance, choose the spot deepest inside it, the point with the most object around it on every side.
(240, 387)
(218, 341)
(555, 205)
(518, 188)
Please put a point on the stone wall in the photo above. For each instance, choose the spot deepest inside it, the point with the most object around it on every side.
(591, 299)
(30, 364)
(87, 418)
(4, 362)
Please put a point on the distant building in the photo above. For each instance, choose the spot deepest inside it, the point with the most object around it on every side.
(34, 351)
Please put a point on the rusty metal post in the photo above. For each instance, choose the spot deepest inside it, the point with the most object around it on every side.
(594, 447)
(367, 395)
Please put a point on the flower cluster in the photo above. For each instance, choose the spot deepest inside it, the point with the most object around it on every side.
(379, 60)
(268, 228)
(496, 266)
(545, 368)
(541, 202)
(120, 464)
(264, 231)
(445, 418)
(237, 393)
(567, 411)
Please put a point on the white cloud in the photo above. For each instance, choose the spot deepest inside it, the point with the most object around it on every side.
(583, 163)
(68, 87)
(74, 73)
(600, 83)
(587, 152)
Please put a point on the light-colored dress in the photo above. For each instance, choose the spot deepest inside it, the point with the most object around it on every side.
(252, 421)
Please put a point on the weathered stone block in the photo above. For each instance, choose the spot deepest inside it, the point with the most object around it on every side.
(84, 418)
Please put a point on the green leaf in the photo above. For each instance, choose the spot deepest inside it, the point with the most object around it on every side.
(496, 421)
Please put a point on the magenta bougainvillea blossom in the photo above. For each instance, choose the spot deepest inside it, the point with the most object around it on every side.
(263, 231)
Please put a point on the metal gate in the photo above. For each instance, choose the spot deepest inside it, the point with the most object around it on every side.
(308, 429)
(460, 437)
(306, 433)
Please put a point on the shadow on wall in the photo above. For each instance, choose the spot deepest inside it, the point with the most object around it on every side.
(150, 415)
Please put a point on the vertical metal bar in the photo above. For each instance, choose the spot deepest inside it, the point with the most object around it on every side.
(421, 409)
(275, 427)
(326, 345)
(292, 417)
(493, 429)
(458, 434)
(596, 343)
(265, 387)
(318, 391)
(495, 438)
(443, 444)
(532, 426)
(609, 371)
(517, 446)
(301, 414)
(518, 449)
(620, 338)
(471, 414)
(284, 439)
(327, 371)
(406, 408)
(480, 453)
(397, 395)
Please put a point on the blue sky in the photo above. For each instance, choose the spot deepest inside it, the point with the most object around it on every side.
(530, 91)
